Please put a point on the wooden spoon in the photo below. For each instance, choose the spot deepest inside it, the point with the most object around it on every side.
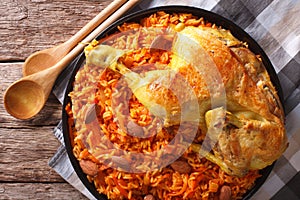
(46, 58)
(27, 96)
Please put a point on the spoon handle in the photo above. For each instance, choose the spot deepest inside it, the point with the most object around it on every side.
(75, 51)
(90, 26)
(39, 85)
(121, 11)
(54, 71)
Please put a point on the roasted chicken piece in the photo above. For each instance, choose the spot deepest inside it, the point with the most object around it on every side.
(215, 80)
(247, 132)
(160, 91)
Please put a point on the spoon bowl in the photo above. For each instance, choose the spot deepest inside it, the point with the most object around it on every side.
(24, 99)
(27, 96)
(45, 59)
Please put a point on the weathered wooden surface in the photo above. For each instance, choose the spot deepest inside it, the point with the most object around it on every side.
(41, 191)
(27, 145)
(28, 26)
(25, 153)
(49, 116)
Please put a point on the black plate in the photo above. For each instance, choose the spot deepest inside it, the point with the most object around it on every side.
(135, 17)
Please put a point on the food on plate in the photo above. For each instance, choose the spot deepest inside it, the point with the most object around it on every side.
(174, 108)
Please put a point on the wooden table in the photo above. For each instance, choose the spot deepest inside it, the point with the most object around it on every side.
(26, 146)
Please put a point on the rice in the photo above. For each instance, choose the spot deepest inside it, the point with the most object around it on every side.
(93, 85)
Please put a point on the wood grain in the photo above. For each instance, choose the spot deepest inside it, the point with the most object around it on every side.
(25, 154)
(49, 116)
(27, 145)
(41, 24)
(42, 191)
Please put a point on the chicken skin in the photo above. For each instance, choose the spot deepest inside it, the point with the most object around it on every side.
(215, 80)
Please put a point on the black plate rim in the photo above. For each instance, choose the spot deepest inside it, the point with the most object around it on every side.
(207, 15)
